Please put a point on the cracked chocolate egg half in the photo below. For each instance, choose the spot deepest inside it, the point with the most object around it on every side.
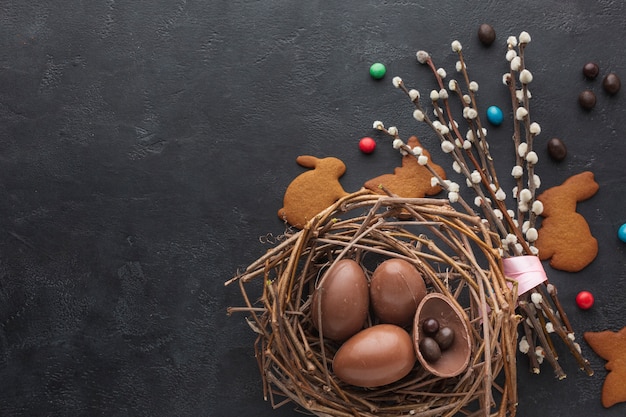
(453, 356)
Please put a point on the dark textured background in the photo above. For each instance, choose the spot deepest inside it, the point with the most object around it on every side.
(145, 147)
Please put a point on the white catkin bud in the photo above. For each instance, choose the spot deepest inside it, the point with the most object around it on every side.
(523, 207)
(517, 171)
(532, 157)
(522, 149)
(397, 143)
(521, 113)
(531, 234)
(470, 135)
(475, 177)
(510, 239)
(540, 353)
(453, 196)
(467, 99)
(514, 191)
(456, 167)
(510, 54)
(537, 181)
(537, 207)
(393, 131)
(519, 95)
(444, 130)
(571, 336)
(467, 144)
(511, 213)
(473, 86)
(524, 37)
(506, 78)
(442, 72)
(434, 181)
(437, 124)
(396, 81)
(422, 57)
(457, 142)
(447, 146)
(484, 131)
(525, 226)
(417, 150)
(500, 195)
(536, 298)
(453, 186)
(511, 41)
(524, 346)
(456, 46)
(418, 115)
(516, 64)
(478, 201)
(526, 77)
(452, 85)
(422, 160)
(577, 347)
(471, 113)
(443, 94)
(434, 95)
(525, 195)
(535, 128)
(414, 94)
(468, 183)
(498, 213)
(378, 125)
(534, 250)
(458, 66)
(518, 248)
(549, 327)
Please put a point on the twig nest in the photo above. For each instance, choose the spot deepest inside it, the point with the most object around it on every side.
(441, 336)
(455, 256)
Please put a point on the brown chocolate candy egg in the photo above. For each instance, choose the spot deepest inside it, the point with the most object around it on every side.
(396, 290)
(455, 359)
(378, 355)
(430, 349)
(444, 337)
(340, 303)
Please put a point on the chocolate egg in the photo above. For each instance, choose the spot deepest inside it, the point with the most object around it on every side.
(456, 357)
(429, 348)
(376, 356)
(396, 290)
(340, 303)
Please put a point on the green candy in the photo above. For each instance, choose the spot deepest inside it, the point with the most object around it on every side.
(377, 70)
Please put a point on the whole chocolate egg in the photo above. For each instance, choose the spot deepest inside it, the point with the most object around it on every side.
(376, 356)
(340, 302)
(396, 289)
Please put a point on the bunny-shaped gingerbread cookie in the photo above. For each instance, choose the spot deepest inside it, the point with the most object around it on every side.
(564, 235)
(312, 191)
(411, 180)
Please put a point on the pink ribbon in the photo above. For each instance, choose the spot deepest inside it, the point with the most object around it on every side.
(526, 270)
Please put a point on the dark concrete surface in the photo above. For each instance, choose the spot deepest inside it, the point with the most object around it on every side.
(145, 146)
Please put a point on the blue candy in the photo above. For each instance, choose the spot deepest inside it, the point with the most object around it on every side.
(621, 233)
(495, 115)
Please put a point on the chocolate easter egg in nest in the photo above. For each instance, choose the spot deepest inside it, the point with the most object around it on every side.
(396, 289)
(376, 356)
(340, 302)
(455, 345)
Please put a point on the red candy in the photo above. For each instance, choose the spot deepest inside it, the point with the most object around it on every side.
(584, 299)
(367, 145)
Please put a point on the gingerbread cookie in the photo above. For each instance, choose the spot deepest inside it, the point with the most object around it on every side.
(564, 236)
(312, 191)
(611, 346)
(411, 180)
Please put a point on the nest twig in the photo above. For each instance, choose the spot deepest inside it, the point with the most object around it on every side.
(455, 254)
